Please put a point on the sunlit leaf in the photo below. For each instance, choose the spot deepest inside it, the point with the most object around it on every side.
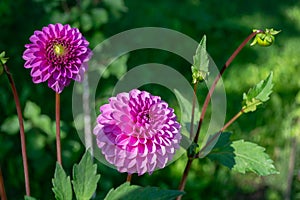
(257, 95)
(61, 184)
(127, 191)
(201, 62)
(85, 178)
(31, 110)
(242, 156)
(29, 198)
(251, 157)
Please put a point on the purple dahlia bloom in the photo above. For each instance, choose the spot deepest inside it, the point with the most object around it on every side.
(137, 132)
(57, 54)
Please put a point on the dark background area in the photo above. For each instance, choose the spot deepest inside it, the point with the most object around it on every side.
(226, 24)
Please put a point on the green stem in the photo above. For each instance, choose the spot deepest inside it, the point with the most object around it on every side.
(193, 109)
(57, 117)
(22, 132)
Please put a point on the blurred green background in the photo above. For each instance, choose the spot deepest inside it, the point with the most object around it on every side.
(275, 126)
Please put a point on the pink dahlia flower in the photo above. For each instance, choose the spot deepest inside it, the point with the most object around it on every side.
(137, 132)
(57, 54)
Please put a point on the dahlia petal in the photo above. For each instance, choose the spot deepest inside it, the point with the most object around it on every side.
(37, 79)
(133, 141)
(35, 72)
(27, 54)
(151, 146)
(162, 160)
(27, 64)
(122, 139)
(161, 150)
(142, 150)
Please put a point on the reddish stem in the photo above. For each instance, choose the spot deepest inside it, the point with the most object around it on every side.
(207, 100)
(57, 117)
(2, 188)
(128, 179)
(211, 90)
(219, 133)
(22, 132)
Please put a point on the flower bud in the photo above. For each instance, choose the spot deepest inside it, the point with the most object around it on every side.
(265, 38)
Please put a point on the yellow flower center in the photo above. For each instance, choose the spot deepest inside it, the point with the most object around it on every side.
(59, 49)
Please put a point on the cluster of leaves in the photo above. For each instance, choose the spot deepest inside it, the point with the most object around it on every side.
(84, 185)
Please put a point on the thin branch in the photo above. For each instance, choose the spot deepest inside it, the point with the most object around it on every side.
(219, 133)
(88, 140)
(206, 102)
(128, 179)
(211, 90)
(2, 188)
(21, 125)
(292, 162)
(57, 117)
(193, 109)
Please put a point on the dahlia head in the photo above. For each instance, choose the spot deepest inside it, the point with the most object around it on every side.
(137, 132)
(57, 54)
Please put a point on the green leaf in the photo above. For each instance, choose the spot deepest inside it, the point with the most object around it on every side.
(257, 95)
(201, 62)
(61, 184)
(118, 68)
(251, 157)
(86, 22)
(31, 110)
(242, 156)
(223, 152)
(127, 191)
(116, 6)
(29, 198)
(11, 125)
(99, 16)
(85, 178)
(185, 118)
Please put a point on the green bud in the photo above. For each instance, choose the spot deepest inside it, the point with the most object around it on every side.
(201, 62)
(199, 75)
(265, 38)
(192, 150)
(3, 60)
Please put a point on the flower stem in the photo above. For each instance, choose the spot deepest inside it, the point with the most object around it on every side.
(193, 109)
(211, 90)
(22, 132)
(232, 120)
(206, 102)
(57, 117)
(2, 188)
(184, 176)
(128, 179)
